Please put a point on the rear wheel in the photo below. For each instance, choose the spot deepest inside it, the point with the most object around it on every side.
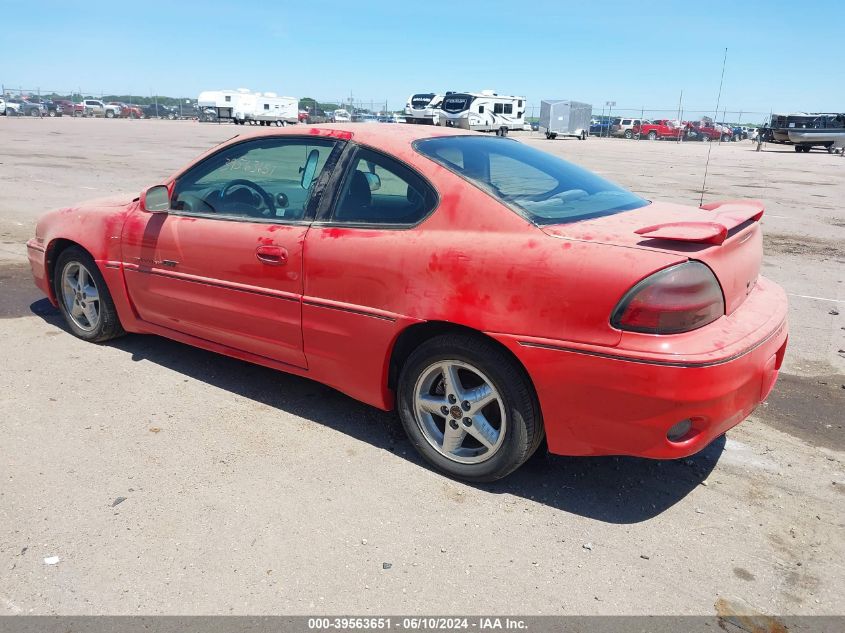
(629, 134)
(51, 113)
(468, 408)
(652, 136)
(109, 114)
(34, 112)
(84, 298)
(704, 138)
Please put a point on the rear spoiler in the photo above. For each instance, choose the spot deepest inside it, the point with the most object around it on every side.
(729, 215)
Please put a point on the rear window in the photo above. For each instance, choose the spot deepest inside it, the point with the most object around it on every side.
(539, 186)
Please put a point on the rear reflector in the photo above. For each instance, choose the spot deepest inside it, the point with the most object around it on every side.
(676, 299)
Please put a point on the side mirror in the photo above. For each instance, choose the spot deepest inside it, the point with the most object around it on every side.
(310, 168)
(156, 200)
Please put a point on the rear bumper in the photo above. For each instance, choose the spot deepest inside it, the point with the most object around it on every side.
(607, 404)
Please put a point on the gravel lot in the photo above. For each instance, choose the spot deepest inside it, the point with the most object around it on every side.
(170, 480)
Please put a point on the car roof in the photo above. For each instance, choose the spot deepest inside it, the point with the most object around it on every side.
(378, 135)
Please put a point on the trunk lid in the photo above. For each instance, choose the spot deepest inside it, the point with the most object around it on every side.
(724, 235)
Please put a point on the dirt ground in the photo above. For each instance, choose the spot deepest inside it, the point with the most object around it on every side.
(170, 480)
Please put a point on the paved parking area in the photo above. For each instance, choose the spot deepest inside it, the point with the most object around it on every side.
(171, 480)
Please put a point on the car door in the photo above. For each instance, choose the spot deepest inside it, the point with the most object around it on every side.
(225, 263)
(350, 292)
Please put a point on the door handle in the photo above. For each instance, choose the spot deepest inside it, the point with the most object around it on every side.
(272, 255)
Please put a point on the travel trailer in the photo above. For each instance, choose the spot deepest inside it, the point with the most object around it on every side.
(244, 106)
(483, 111)
(424, 108)
(270, 109)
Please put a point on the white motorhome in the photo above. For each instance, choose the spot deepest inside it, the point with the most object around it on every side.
(484, 111)
(244, 106)
(424, 108)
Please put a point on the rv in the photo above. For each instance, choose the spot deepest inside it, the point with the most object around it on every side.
(270, 109)
(484, 111)
(424, 108)
(243, 106)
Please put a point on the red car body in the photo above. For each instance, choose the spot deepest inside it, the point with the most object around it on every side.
(344, 303)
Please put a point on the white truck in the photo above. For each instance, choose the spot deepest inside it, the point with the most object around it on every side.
(96, 108)
(243, 106)
(485, 111)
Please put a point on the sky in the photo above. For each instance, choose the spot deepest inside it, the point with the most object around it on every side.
(638, 54)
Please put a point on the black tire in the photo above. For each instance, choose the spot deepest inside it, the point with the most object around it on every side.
(652, 136)
(799, 149)
(109, 114)
(704, 138)
(549, 135)
(524, 430)
(108, 325)
(34, 112)
(629, 134)
(51, 113)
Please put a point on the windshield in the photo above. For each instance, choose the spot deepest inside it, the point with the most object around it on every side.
(540, 186)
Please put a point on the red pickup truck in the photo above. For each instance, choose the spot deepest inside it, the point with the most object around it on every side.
(69, 108)
(708, 131)
(661, 128)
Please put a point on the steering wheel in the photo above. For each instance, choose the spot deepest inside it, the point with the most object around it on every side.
(248, 184)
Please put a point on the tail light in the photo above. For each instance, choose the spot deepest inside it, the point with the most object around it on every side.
(676, 299)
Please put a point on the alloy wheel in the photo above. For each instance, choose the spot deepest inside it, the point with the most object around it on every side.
(80, 296)
(460, 412)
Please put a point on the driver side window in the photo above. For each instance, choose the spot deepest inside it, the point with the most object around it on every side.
(265, 179)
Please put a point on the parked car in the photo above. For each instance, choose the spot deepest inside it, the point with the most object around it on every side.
(599, 128)
(54, 108)
(399, 299)
(623, 126)
(69, 108)
(661, 128)
(207, 114)
(2, 106)
(156, 110)
(32, 108)
(708, 131)
(13, 106)
(126, 111)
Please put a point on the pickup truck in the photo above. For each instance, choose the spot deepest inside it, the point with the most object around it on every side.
(96, 108)
(126, 111)
(707, 131)
(661, 128)
(69, 108)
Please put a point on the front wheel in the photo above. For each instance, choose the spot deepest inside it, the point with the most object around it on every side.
(652, 136)
(84, 299)
(469, 408)
(629, 134)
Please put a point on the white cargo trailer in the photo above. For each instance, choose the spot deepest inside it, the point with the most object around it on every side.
(484, 111)
(561, 117)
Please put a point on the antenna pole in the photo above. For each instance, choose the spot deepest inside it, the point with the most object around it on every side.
(710, 145)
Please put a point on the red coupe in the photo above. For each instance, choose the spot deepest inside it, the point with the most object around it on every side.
(490, 292)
